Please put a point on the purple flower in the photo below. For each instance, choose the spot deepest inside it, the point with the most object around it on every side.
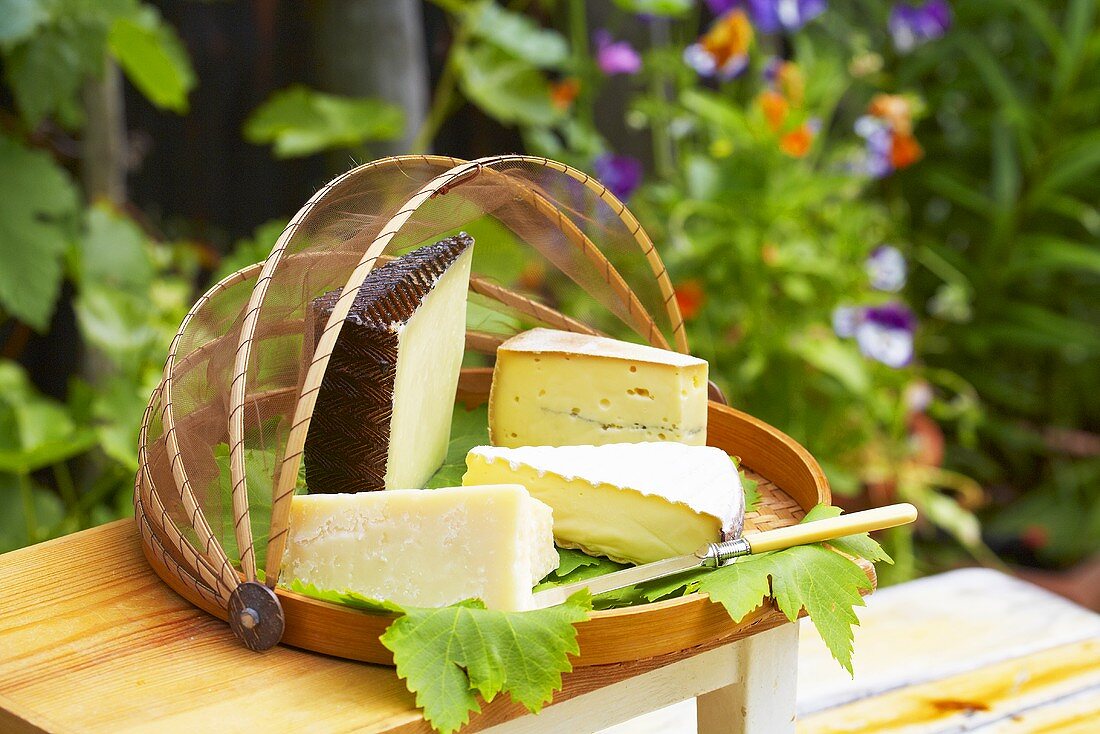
(616, 57)
(845, 320)
(877, 161)
(885, 334)
(719, 7)
(772, 67)
(773, 16)
(886, 268)
(620, 173)
(913, 25)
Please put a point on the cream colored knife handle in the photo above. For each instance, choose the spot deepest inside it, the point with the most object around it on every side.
(833, 527)
(865, 521)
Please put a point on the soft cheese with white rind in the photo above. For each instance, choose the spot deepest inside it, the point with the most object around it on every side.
(636, 502)
(558, 388)
(424, 547)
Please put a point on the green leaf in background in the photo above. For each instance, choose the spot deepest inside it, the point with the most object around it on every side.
(841, 361)
(252, 250)
(153, 57)
(469, 428)
(508, 88)
(46, 72)
(35, 431)
(448, 655)
(44, 508)
(19, 19)
(671, 8)
(115, 322)
(299, 121)
(36, 197)
(113, 252)
(517, 34)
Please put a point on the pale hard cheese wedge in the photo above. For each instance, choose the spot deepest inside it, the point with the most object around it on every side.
(557, 388)
(424, 547)
(383, 413)
(630, 502)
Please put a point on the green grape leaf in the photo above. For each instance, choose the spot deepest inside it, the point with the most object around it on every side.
(860, 545)
(153, 57)
(448, 655)
(36, 199)
(508, 88)
(469, 428)
(570, 559)
(812, 577)
(827, 585)
(518, 34)
(347, 598)
(752, 493)
(299, 121)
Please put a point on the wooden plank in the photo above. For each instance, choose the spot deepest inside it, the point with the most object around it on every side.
(93, 639)
(762, 701)
(991, 695)
(937, 627)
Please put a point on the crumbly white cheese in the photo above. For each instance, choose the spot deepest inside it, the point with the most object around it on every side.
(637, 502)
(427, 548)
(557, 388)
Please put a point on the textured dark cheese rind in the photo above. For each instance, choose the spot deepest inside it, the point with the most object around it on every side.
(347, 446)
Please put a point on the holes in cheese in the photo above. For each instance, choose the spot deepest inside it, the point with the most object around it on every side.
(636, 502)
(383, 415)
(557, 388)
(424, 547)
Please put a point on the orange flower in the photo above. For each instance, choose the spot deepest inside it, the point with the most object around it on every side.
(690, 297)
(895, 110)
(904, 150)
(775, 108)
(723, 51)
(564, 92)
(789, 81)
(797, 142)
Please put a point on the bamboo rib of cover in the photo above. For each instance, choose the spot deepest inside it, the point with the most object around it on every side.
(286, 473)
(215, 573)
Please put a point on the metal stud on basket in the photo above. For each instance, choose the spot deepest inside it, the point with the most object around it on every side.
(223, 436)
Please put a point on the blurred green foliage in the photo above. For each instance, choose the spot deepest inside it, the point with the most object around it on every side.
(1003, 218)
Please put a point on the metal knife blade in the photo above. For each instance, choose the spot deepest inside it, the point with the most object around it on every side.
(618, 579)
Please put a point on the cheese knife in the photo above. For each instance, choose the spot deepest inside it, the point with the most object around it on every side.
(715, 555)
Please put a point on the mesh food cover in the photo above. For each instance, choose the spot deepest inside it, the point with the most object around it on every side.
(222, 439)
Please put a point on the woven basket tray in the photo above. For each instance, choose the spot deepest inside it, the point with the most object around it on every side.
(235, 388)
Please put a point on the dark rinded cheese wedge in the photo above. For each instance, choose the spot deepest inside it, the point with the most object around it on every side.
(383, 415)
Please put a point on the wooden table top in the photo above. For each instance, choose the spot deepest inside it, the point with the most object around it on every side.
(91, 640)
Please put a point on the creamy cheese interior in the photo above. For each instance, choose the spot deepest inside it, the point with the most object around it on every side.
(556, 388)
(430, 347)
(631, 502)
(426, 548)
